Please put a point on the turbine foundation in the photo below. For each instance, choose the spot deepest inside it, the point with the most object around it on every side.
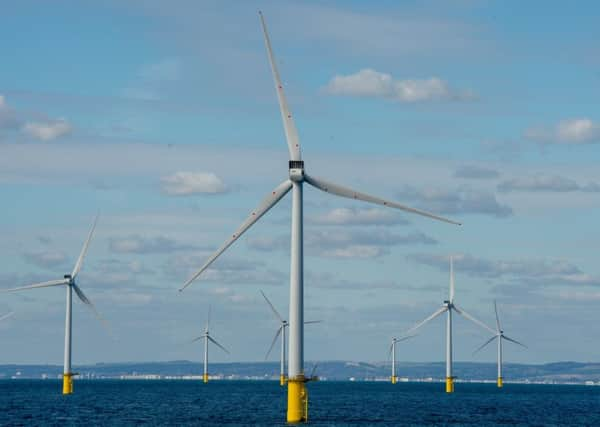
(297, 410)
(205, 378)
(449, 384)
(67, 383)
(394, 379)
(499, 382)
(282, 380)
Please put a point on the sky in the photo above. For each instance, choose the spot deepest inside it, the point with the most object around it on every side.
(163, 118)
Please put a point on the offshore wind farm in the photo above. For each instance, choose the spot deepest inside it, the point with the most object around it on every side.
(471, 171)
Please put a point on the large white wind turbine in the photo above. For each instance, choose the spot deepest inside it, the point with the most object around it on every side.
(395, 340)
(206, 336)
(449, 306)
(281, 331)
(69, 281)
(297, 393)
(499, 334)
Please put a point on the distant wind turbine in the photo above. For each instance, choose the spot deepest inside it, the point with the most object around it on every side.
(449, 307)
(69, 281)
(499, 334)
(281, 331)
(206, 336)
(395, 340)
(297, 401)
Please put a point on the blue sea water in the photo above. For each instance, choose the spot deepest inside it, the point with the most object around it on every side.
(232, 403)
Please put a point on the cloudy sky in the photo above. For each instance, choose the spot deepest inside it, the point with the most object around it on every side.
(163, 118)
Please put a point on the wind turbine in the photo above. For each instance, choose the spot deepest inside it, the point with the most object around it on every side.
(448, 307)
(71, 285)
(395, 340)
(297, 393)
(281, 331)
(499, 334)
(206, 336)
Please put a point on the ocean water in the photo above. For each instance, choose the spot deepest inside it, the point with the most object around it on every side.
(233, 403)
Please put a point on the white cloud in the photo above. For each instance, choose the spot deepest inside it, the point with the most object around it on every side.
(371, 83)
(47, 131)
(547, 183)
(188, 183)
(354, 216)
(45, 258)
(571, 131)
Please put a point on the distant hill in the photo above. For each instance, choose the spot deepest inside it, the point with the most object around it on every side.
(559, 372)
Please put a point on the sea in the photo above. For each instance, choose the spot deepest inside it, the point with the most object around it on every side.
(263, 403)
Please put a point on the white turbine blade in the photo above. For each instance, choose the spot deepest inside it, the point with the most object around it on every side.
(262, 209)
(7, 315)
(338, 190)
(391, 348)
(84, 250)
(272, 307)
(274, 341)
(472, 319)
(497, 318)
(515, 341)
(485, 343)
(198, 338)
(405, 338)
(208, 319)
(84, 299)
(310, 322)
(451, 280)
(211, 339)
(433, 316)
(38, 285)
(291, 134)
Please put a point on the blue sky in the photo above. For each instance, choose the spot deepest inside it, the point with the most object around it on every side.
(164, 119)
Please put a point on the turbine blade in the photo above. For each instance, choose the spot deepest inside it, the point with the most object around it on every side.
(338, 190)
(405, 338)
(451, 279)
(291, 134)
(84, 299)
(7, 315)
(208, 319)
(433, 316)
(84, 250)
(211, 339)
(485, 343)
(390, 352)
(272, 307)
(310, 322)
(38, 285)
(197, 338)
(515, 341)
(314, 369)
(474, 320)
(497, 319)
(270, 201)
(273, 342)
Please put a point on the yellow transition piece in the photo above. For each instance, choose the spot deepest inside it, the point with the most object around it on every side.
(67, 383)
(449, 385)
(297, 410)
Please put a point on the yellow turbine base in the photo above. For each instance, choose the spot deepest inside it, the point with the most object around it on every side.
(282, 379)
(67, 383)
(499, 382)
(297, 410)
(205, 378)
(449, 385)
(394, 379)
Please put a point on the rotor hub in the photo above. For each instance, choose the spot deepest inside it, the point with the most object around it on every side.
(296, 170)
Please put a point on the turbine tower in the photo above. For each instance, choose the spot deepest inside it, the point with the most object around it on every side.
(448, 307)
(206, 336)
(69, 280)
(297, 393)
(499, 334)
(395, 340)
(281, 331)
